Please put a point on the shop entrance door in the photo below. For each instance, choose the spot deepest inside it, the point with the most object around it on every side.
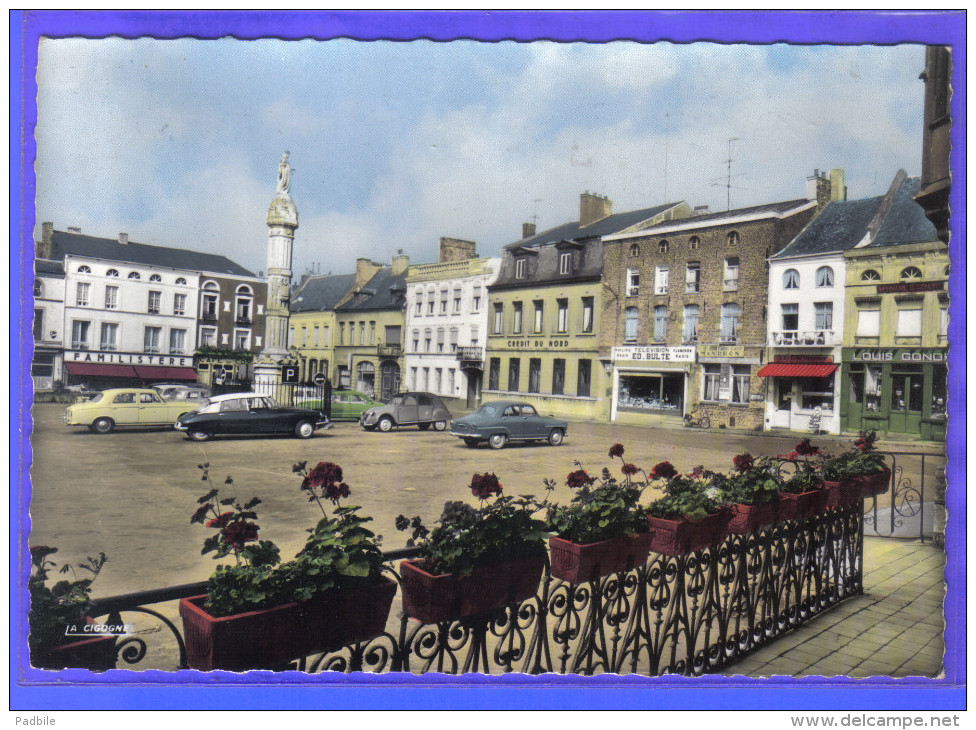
(784, 403)
(906, 402)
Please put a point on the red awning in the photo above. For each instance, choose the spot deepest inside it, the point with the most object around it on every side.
(93, 368)
(154, 372)
(797, 370)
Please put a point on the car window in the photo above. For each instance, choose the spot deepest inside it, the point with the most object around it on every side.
(510, 411)
(194, 395)
(396, 400)
(149, 398)
(125, 398)
(355, 399)
(232, 405)
(409, 400)
(529, 411)
(425, 400)
(486, 411)
(258, 404)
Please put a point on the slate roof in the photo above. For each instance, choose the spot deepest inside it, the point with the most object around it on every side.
(46, 267)
(755, 211)
(77, 244)
(843, 224)
(322, 293)
(573, 231)
(384, 291)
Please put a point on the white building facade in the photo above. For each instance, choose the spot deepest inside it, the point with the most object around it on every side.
(48, 363)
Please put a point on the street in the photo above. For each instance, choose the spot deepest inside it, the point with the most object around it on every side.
(130, 494)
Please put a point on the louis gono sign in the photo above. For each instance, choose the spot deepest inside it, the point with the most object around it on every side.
(895, 355)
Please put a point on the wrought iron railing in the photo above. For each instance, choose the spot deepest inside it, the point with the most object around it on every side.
(905, 509)
(688, 614)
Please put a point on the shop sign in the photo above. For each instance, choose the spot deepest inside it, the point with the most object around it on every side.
(128, 358)
(721, 351)
(906, 287)
(802, 359)
(529, 343)
(649, 352)
(896, 355)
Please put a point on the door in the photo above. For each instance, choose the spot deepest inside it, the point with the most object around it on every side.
(425, 408)
(906, 401)
(390, 380)
(474, 383)
(154, 411)
(263, 418)
(125, 409)
(512, 421)
(407, 412)
(533, 426)
(784, 403)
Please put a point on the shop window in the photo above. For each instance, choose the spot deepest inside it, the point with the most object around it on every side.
(660, 323)
(662, 279)
(583, 378)
(514, 364)
(630, 324)
(537, 319)
(791, 279)
(558, 376)
(633, 282)
(731, 317)
(731, 274)
(712, 381)
(535, 374)
(690, 331)
(791, 317)
(653, 392)
(823, 315)
(906, 389)
(587, 314)
(817, 393)
(517, 318)
(693, 277)
(825, 276)
(870, 275)
(562, 315)
(494, 372)
(939, 393)
(740, 383)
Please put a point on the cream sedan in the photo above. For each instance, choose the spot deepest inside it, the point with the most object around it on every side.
(142, 407)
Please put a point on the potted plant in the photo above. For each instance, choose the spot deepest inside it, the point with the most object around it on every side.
(688, 517)
(477, 559)
(58, 620)
(752, 493)
(801, 494)
(604, 528)
(859, 472)
(262, 613)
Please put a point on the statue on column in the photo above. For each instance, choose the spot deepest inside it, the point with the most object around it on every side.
(284, 172)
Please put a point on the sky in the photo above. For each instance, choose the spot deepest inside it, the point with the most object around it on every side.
(393, 145)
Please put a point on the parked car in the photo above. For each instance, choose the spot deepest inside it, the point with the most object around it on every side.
(105, 411)
(407, 409)
(499, 422)
(240, 413)
(351, 404)
(182, 391)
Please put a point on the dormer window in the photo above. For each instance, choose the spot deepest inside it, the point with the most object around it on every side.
(566, 262)
(134, 275)
(155, 278)
(520, 268)
(84, 269)
(662, 247)
(911, 272)
(114, 273)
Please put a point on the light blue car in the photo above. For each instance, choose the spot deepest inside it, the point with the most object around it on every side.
(499, 422)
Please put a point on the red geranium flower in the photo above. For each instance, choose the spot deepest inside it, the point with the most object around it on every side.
(577, 479)
(664, 470)
(220, 522)
(616, 450)
(805, 448)
(323, 474)
(629, 469)
(335, 492)
(485, 485)
(238, 533)
(743, 462)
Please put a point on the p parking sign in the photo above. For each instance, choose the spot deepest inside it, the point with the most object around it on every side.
(289, 373)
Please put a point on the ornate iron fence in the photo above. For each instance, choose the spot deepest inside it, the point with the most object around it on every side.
(906, 508)
(688, 614)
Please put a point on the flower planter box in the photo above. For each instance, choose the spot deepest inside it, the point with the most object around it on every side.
(272, 637)
(678, 537)
(874, 484)
(579, 563)
(839, 494)
(435, 598)
(748, 518)
(800, 506)
(96, 653)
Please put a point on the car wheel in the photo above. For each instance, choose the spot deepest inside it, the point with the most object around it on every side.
(440, 425)
(555, 437)
(304, 429)
(198, 435)
(103, 425)
(423, 426)
(471, 443)
(497, 440)
(385, 424)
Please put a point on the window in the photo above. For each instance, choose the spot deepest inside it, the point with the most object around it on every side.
(134, 275)
(38, 324)
(155, 299)
(535, 374)
(177, 342)
(520, 268)
(79, 335)
(180, 281)
(740, 383)
(38, 288)
(362, 333)
(634, 250)
(513, 373)
(587, 314)
(315, 336)
(450, 381)
(372, 333)
(562, 315)
(208, 336)
(83, 291)
(457, 301)
(242, 339)
(733, 238)
(326, 336)
(444, 301)
(476, 299)
(712, 382)
(210, 301)
(583, 378)
(150, 341)
(517, 318)
(660, 323)
(944, 318)
(868, 320)
(817, 393)
(909, 322)
(646, 393)
(825, 276)
(662, 276)
(438, 377)
(474, 335)
(155, 278)
(537, 321)
(114, 273)
(870, 275)
(419, 304)
(693, 277)
(911, 272)
(179, 304)
(791, 279)
(412, 382)
(633, 282)
(791, 316)
(730, 276)
(428, 336)
(440, 339)
(453, 341)
(823, 315)
(498, 320)
(242, 309)
(110, 337)
(558, 376)
(415, 337)
(690, 331)
(630, 324)
(494, 372)
(662, 247)
(731, 314)
(304, 336)
(694, 242)
(342, 333)
(84, 269)
(566, 262)
(430, 306)
(426, 378)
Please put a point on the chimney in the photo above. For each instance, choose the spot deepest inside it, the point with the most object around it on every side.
(838, 185)
(455, 249)
(812, 185)
(124, 239)
(365, 270)
(593, 208)
(528, 230)
(701, 210)
(43, 248)
(399, 264)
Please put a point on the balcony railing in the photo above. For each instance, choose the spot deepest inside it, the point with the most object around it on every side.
(242, 320)
(389, 350)
(803, 338)
(470, 354)
(209, 316)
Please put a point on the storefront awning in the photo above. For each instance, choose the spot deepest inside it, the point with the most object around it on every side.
(97, 369)
(797, 370)
(153, 372)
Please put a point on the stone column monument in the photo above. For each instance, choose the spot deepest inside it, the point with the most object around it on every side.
(282, 221)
